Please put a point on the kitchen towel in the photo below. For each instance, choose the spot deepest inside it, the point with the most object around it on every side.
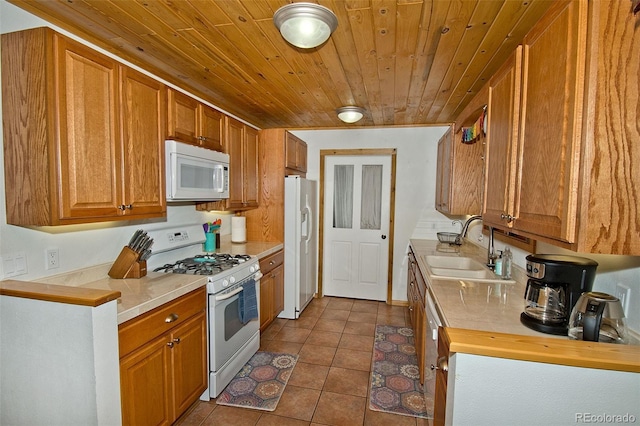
(248, 302)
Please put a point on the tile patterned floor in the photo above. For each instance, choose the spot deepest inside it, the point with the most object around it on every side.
(329, 385)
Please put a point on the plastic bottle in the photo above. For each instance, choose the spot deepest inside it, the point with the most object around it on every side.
(507, 259)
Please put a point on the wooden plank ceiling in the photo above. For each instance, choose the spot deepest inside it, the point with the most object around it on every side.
(407, 62)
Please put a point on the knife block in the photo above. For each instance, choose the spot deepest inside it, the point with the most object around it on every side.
(128, 265)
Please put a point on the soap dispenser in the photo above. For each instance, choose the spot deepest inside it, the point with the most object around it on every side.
(507, 259)
(499, 265)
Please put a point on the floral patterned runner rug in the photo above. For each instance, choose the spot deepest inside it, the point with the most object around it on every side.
(395, 378)
(260, 383)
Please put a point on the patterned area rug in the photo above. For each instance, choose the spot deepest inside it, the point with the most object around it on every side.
(395, 378)
(260, 383)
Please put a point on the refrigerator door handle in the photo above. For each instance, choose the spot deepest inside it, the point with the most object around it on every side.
(307, 215)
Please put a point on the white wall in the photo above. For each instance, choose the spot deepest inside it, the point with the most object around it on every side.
(416, 160)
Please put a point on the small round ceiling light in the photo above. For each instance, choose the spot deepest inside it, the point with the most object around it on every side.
(350, 114)
(305, 25)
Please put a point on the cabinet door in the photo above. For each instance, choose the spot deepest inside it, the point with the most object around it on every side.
(189, 361)
(234, 136)
(295, 153)
(502, 138)
(143, 122)
(278, 290)
(251, 177)
(443, 172)
(211, 128)
(89, 145)
(550, 130)
(182, 117)
(144, 382)
(266, 301)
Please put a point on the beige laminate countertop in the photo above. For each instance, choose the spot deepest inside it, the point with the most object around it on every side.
(141, 295)
(487, 317)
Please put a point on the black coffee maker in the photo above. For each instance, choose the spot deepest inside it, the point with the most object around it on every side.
(554, 286)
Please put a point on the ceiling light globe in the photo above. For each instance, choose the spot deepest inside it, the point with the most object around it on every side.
(305, 25)
(350, 114)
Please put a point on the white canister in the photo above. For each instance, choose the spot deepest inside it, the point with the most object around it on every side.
(238, 229)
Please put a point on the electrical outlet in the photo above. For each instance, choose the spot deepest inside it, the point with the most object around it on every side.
(52, 258)
(623, 292)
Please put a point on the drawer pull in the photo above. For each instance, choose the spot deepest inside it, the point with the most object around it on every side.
(171, 318)
(271, 262)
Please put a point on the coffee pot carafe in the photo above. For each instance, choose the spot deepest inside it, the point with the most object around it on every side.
(554, 286)
(598, 317)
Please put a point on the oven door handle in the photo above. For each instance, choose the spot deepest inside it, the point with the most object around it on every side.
(229, 295)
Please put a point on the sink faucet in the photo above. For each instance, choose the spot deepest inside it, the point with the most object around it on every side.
(465, 227)
(491, 254)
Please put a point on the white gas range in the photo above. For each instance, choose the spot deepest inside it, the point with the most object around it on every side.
(233, 291)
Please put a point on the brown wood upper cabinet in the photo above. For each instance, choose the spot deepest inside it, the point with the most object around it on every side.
(241, 143)
(459, 183)
(242, 147)
(266, 223)
(83, 134)
(192, 122)
(295, 154)
(567, 181)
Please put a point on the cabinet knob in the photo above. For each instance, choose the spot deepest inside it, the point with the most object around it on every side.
(271, 262)
(507, 217)
(171, 318)
(443, 364)
(170, 344)
(176, 340)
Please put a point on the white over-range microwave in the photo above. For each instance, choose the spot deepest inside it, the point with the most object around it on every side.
(195, 174)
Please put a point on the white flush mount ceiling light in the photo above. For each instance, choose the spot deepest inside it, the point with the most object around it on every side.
(305, 25)
(350, 114)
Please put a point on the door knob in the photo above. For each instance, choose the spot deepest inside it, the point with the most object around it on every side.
(384, 237)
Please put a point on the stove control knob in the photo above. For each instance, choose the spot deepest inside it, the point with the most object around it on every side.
(252, 269)
(232, 280)
(225, 283)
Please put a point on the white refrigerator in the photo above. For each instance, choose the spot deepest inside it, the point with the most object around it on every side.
(299, 245)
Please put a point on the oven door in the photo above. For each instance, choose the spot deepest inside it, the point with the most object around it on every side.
(228, 334)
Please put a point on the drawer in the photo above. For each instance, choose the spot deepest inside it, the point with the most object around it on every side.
(270, 262)
(138, 331)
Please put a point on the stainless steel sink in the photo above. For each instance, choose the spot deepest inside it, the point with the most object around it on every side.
(457, 268)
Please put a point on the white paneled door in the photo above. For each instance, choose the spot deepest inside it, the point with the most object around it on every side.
(356, 226)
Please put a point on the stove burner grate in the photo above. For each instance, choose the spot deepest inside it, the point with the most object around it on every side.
(204, 264)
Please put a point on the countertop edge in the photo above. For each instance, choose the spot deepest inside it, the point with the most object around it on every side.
(57, 293)
(543, 349)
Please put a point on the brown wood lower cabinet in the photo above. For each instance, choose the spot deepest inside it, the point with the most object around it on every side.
(163, 361)
(416, 291)
(271, 288)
